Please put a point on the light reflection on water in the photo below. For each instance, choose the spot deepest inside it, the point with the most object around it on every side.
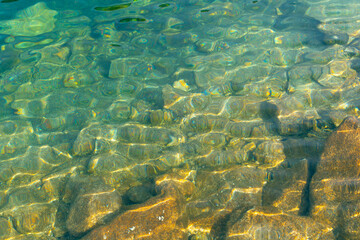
(235, 98)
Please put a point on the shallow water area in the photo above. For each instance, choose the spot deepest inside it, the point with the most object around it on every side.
(186, 119)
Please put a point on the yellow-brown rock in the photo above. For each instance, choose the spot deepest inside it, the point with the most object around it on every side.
(35, 218)
(340, 156)
(335, 186)
(92, 201)
(6, 228)
(155, 219)
(218, 193)
(175, 182)
(270, 153)
(269, 223)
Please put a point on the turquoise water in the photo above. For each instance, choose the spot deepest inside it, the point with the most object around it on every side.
(123, 92)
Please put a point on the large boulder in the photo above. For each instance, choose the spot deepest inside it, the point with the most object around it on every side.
(155, 219)
(334, 187)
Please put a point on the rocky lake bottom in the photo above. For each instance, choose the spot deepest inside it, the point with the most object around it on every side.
(186, 119)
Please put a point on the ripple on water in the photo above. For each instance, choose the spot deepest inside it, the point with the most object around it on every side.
(179, 120)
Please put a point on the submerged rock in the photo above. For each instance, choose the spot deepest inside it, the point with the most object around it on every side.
(140, 194)
(218, 193)
(209, 89)
(9, 58)
(6, 228)
(15, 137)
(292, 18)
(270, 153)
(334, 186)
(286, 185)
(269, 223)
(35, 218)
(155, 219)
(92, 201)
(32, 21)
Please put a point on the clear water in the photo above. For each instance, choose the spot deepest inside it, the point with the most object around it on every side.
(129, 91)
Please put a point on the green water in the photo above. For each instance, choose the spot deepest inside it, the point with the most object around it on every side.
(128, 91)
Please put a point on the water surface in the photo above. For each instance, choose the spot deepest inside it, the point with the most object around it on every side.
(229, 95)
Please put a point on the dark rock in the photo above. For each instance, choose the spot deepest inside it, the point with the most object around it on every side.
(140, 194)
(299, 148)
(286, 185)
(332, 39)
(130, 23)
(293, 6)
(353, 48)
(355, 64)
(154, 96)
(296, 22)
(292, 17)
(8, 59)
